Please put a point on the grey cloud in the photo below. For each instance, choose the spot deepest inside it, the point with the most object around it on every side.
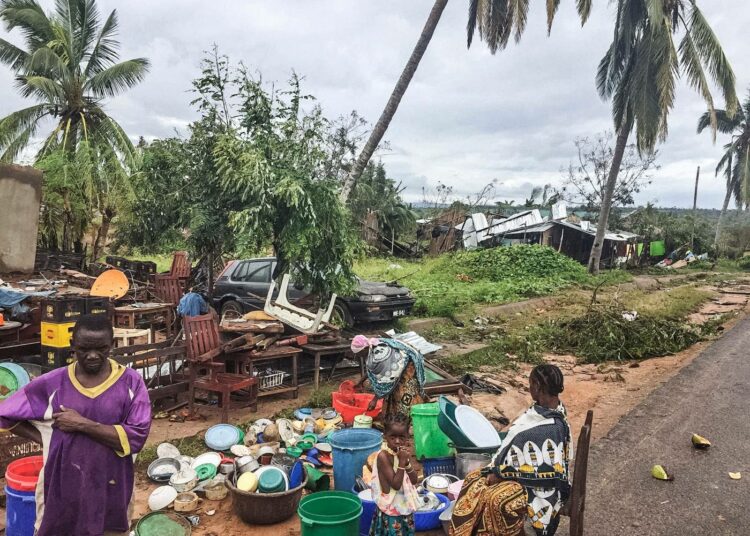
(468, 117)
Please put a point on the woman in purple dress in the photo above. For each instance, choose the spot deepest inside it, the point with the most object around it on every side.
(91, 417)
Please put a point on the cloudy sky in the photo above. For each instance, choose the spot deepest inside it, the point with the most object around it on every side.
(468, 117)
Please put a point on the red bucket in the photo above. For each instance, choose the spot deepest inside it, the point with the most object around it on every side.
(23, 474)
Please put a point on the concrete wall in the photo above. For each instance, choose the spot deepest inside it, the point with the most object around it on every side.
(20, 196)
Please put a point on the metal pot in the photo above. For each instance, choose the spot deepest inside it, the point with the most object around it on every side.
(467, 462)
(246, 464)
(184, 481)
(226, 468)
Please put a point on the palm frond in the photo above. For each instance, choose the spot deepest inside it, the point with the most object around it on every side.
(45, 62)
(724, 123)
(105, 50)
(117, 78)
(471, 22)
(29, 17)
(520, 12)
(584, 10)
(41, 87)
(552, 7)
(17, 128)
(12, 56)
(711, 52)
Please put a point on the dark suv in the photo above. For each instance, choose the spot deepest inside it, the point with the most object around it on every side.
(243, 287)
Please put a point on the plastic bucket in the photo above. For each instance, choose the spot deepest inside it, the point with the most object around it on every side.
(368, 511)
(362, 421)
(20, 512)
(351, 447)
(429, 440)
(330, 513)
(23, 474)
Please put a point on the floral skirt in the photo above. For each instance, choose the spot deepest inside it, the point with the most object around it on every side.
(483, 510)
(385, 525)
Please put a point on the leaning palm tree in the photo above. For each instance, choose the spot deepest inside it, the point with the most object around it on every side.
(735, 164)
(69, 66)
(639, 73)
(495, 20)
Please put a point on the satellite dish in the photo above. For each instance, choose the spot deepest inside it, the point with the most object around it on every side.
(111, 284)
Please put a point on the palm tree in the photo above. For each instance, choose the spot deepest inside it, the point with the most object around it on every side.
(639, 73)
(495, 20)
(69, 66)
(735, 164)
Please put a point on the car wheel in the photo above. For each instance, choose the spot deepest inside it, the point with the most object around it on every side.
(341, 316)
(231, 309)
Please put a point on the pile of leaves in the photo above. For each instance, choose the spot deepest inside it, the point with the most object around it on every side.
(518, 262)
(603, 333)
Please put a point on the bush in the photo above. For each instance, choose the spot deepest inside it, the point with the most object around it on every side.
(514, 262)
(744, 263)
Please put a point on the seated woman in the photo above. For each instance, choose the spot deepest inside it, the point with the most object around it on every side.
(528, 475)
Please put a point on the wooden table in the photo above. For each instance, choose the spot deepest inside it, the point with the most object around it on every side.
(11, 327)
(126, 317)
(273, 354)
(319, 350)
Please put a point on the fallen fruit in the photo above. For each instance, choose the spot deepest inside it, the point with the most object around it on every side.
(700, 442)
(659, 472)
(735, 476)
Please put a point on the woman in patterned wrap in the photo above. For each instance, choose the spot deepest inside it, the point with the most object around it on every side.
(395, 372)
(527, 480)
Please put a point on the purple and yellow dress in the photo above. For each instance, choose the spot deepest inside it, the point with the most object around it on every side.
(86, 486)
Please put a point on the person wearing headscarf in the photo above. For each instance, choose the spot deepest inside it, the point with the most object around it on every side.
(395, 371)
(528, 478)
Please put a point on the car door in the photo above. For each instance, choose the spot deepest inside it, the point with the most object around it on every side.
(252, 280)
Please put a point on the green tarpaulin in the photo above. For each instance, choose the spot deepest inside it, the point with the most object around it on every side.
(658, 249)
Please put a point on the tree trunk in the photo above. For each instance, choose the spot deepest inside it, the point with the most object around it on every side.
(381, 126)
(724, 207)
(609, 189)
(101, 235)
(210, 276)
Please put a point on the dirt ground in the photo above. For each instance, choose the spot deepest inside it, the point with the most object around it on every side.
(611, 390)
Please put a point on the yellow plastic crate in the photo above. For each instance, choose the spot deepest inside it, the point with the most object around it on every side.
(57, 335)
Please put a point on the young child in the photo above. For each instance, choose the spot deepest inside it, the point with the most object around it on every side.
(393, 482)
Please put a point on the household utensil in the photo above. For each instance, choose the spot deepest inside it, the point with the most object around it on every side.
(184, 480)
(248, 482)
(167, 450)
(186, 502)
(213, 458)
(246, 464)
(216, 492)
(162, 469)
(222, 436)
(161, 497)
(476, 427)
(467, 462)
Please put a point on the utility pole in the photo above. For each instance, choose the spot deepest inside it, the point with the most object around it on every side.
(695, 207)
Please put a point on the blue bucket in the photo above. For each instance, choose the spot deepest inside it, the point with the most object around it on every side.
(351, 447)
(368, 513)
(20, 512)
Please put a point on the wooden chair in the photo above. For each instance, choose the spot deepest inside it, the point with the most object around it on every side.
(168, 289)
(180, 266)
(577, 501)
(203, 348)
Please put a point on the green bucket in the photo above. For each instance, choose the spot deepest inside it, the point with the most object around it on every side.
(330, 513)
(429, 440)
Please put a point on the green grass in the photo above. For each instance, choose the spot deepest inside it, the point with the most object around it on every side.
(455, 283)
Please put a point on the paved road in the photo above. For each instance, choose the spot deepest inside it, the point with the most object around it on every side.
(709, 397)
